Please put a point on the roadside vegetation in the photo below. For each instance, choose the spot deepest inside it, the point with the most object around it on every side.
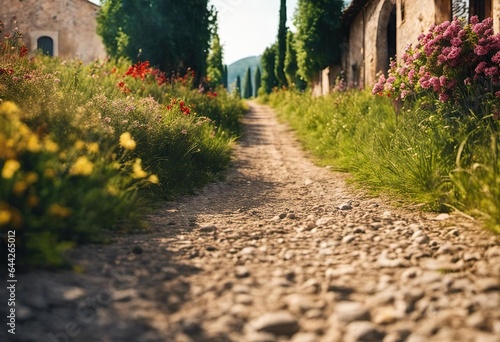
(87, 149)
(430, 131)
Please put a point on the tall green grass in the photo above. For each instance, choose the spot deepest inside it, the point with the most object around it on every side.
(86, 149)
(439, 163)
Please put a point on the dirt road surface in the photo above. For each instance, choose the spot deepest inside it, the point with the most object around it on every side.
(281, 250)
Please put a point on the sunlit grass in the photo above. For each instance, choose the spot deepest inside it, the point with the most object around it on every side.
(436, 163)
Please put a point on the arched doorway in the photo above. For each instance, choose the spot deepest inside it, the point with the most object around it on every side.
(46, 44)
(386, 36)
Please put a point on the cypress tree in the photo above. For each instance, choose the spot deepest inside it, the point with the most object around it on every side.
(237, 89)
(225, 77)
(281, 51)
(247, 89)
(258, 81)
(268, 60)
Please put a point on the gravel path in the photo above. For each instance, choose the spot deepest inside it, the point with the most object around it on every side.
(282, 250)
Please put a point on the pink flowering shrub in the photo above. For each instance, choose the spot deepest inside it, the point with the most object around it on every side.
(458, 63)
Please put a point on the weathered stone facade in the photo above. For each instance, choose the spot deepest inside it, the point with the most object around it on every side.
(63, 28)
(380, 29)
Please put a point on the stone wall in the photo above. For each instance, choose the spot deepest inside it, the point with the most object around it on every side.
(496, 16)
(70, 23)
(368, 43)
(415, 17)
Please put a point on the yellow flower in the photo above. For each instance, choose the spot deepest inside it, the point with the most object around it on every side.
(126, 141)
(154, 179)
(50, 146)
(31, 177)
(137, 169)
(7, 148)
(33, 143)
(33, 201)
(58, 210)
(63, 155)
(10, 168)
(80, 145)
(49, 173)
(19, 188)
(9, 108)
(5, 217)
(93, 147)
(82, 167)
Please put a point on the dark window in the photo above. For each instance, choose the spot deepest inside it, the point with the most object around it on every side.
(46, 44)
(403, 10)
(391, 36)
(481, 8)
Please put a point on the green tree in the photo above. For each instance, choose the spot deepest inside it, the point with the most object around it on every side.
(225, 77)
(281, 48)
(291, 66)
(247, 89)
(172, 35)
(258, 82)
(268, 59)
(237, 88)
(215, 68)
(318, 35)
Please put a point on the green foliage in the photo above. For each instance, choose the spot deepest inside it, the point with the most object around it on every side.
(237, 88)
(215, 68)
(225, 76)
(279, 68)
(269, 80)
(257, 82)
(421, 157)
(291, 65)
(172, 35)
(247, 89)
(85, 148)
(318, 35)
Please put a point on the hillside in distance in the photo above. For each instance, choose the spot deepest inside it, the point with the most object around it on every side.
(240, 68)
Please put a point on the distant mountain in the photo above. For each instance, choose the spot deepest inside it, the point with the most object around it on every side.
(240, 68)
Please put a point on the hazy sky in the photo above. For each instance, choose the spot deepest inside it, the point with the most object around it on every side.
(247, 27)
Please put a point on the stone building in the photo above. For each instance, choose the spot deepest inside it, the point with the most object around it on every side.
(64, 28)
(377, 30)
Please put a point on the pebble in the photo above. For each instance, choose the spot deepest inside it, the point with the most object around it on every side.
(442, 217)
(208, 229)
(298, 304)
(471, 256)
(350, 312)
(304, 337)
(384, 315)
(248, 250)
(242, 272)
(488, 284)
(348, 238)
(363, 332)
(255, 336)
(277, 323)
(345, 206)
(325, 221)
